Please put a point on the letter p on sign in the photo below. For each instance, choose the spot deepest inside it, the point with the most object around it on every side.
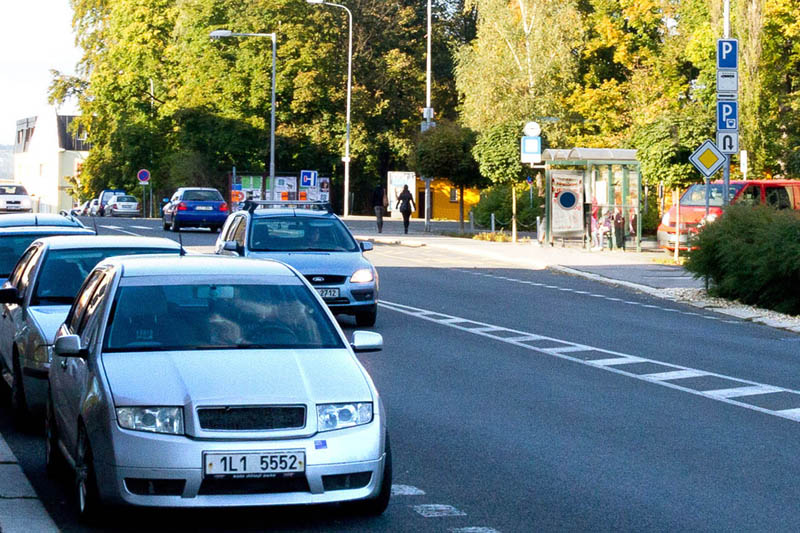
(727, 53)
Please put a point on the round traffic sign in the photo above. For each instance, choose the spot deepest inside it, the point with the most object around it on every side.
(143, 175)
(567, 199)
(529, 180)
(532, 129)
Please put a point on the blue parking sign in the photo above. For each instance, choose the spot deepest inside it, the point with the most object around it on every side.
(727, 115)
(308, 178)
(727, 53)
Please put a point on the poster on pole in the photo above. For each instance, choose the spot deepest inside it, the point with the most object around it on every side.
(324, 189)
(567, 202)
(394, 186)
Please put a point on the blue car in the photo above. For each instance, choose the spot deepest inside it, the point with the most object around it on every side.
(195, 207)
(18, 231)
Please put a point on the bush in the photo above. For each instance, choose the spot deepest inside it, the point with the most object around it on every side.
(752, 255)
(497, 200)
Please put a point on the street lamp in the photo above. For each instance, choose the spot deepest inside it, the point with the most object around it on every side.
(222, 34)
(346, 157)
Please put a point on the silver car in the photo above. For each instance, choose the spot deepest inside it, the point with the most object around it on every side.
(308, 236)
(122, 205)
(203, 381)
(36, 298)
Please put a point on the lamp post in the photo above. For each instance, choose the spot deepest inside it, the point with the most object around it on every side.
(427, 115)
(223, 34)
(346, 157)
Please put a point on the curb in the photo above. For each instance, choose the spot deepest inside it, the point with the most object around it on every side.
(21, 511)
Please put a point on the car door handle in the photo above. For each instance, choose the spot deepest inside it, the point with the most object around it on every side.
(64, 364)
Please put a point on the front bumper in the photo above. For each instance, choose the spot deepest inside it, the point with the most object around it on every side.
(666, 239)
(142, 457)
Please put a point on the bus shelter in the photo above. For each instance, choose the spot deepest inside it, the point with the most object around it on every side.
(594, 194)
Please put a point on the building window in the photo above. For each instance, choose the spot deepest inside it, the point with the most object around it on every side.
(453, 194)
(41, 169)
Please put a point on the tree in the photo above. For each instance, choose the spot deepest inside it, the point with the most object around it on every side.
(446, 152)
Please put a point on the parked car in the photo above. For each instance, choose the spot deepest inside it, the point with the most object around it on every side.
(94, 208)
(122, 205)
(311, 238)
(81, 210)
(36, 297)
(103, 198)
(213, 382)
(195, 207)
(779, 194)
(14, 199)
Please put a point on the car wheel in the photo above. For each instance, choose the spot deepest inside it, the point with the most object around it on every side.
(377, 505)
(53, 459)
(165, 223)
(18, 404)
(88, 502)
(175, 225)
(366, 319)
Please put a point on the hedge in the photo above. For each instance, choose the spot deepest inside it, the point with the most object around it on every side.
(751, 255)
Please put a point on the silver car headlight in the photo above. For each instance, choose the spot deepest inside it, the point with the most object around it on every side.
(152, 419)
(343, 415)
(362, 275)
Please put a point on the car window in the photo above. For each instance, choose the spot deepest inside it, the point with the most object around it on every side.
(231, 229)
(238, 234)
(777, 197)
(696, 194)
(27, 273)
(202, 196)
(19, 268)
(220, 316)
(78, 309)
(63, 271)
(12, 190)
(87, 327)
(12, 247)
(751, 195)
(301, 234)
(125, 198)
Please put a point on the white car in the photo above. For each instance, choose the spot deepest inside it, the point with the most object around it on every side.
(122, 205)
(14, 199)
(36, 297)
(203, 381)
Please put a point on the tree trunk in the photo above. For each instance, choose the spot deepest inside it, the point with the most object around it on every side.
(461, 208)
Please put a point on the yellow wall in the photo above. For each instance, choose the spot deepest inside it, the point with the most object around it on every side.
(443, 208)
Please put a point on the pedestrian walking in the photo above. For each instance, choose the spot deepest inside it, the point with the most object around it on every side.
(405, 202)
(379, 204)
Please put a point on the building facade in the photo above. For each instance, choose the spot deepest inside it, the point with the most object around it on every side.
(46, 152)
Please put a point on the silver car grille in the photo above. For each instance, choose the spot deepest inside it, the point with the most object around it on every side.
(252, 418)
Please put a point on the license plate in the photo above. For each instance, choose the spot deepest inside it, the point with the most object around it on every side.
(328, 293)
(254, 464)
(204, 208)
(128, 206)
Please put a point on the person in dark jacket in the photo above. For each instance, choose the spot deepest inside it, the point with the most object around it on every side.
(379, 204)
(405, 202)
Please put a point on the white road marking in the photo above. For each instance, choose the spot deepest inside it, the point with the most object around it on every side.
(568, 349)
(472, 530)
(435, 510)
(406, 490)
(616, 362)
(676, 374)
(119, 229)
(140, 227)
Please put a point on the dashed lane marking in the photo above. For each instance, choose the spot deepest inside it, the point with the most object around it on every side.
(406, 490)
(140, 227)
(619, 363)
(435, 510)
(119, 229)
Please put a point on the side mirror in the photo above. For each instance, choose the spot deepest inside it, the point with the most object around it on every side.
(230, 246)
(367, 341)
(10, 295)
(69, 346)
(365, 246)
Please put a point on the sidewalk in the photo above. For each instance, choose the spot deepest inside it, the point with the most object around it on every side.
(640, 271)
(20, 508)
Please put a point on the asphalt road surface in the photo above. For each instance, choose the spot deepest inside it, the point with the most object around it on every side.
(523, 400)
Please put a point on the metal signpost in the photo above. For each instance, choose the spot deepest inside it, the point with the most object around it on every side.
(144, 179)
(727, 104)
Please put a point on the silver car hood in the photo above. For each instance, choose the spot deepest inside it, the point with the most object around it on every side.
(308, 263)
(235, 377)
(49, 318)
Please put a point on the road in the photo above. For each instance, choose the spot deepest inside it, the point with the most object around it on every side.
(524, 400)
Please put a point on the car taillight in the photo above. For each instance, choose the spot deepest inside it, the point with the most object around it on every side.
(223, 207)
(182, 207)
(113, 206)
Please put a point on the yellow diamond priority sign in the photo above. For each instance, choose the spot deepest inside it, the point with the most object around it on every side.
(707, 159)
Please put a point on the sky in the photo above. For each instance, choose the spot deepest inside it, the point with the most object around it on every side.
(37, 36)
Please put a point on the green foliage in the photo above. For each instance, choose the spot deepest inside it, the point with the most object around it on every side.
(497, 200)
(752, 255)
(497, 153)
(445, 151)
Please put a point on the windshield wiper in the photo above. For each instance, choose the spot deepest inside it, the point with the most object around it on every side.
(318, 250)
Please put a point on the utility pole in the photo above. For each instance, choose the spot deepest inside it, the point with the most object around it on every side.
(427, 115)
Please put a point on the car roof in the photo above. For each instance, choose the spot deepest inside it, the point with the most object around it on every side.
(46, 230)
(198, 265)
(38, 219)
(67, 242)
(288, 211)
(197, 189)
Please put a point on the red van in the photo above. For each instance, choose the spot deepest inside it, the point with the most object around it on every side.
(780, 194)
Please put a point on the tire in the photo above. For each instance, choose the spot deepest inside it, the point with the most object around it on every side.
(88, 504)
(54, 461)
(366, 319)
(18, 404)
(175, 226)
(165, 223)
(376, 506)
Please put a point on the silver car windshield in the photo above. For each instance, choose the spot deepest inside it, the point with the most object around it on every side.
(217, 317)
(63, 271)
(12, 190)
(301, 234)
